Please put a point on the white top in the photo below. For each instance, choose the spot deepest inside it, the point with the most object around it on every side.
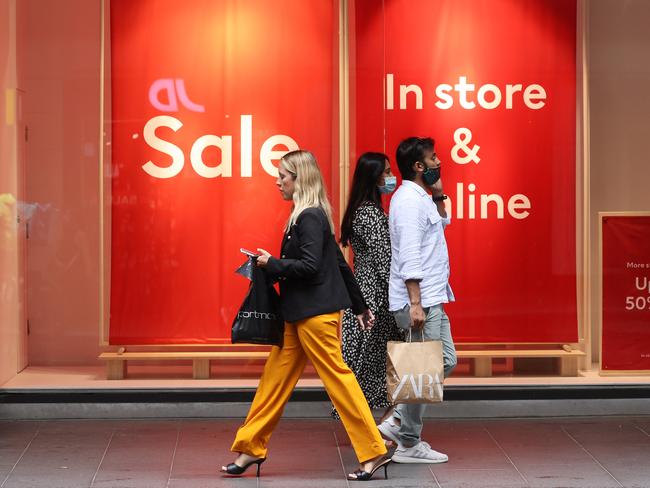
(419, 248)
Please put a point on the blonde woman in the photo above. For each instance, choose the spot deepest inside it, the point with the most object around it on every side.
(315, 285)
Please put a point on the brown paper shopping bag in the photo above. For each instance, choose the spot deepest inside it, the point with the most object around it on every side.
(414, 372)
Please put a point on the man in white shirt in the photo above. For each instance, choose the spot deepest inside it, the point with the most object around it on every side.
(419, 280)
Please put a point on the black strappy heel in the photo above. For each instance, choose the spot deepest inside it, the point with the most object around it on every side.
(361, 475)
(236, 470)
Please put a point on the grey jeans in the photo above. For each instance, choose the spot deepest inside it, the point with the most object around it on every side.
(436, 327)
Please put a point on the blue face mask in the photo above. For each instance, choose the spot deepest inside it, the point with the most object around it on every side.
(390, 183)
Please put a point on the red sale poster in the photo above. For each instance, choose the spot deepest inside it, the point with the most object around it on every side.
(625, 329)
(494, 83)
(206, 97)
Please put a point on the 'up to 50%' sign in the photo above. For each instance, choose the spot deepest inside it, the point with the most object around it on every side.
(626, 292)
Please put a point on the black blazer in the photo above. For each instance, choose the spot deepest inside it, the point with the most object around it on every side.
(313, 275)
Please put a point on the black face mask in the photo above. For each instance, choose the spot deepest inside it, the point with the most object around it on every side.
(431, 176)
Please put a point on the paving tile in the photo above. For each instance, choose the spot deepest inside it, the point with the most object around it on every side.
(64, 454)
(298, 450)
(629, 469)
(474, 478)
(574, 475)
(200, 446)
(140, 455)
(549, 455)
(303, 451)
(203, 447)
(399, 475)
(636, 481)
(468, 445)
(14, 438)
(475, 458)
(527, 433)
(211, 482)
(537, 443)
(621, 448)
(611, 433)
(643, 424)
(454, 433)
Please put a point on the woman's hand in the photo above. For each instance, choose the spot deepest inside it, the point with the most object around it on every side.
(366, 320)
(263, 258)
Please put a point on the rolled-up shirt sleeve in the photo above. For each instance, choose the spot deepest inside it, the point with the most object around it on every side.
(410, 231)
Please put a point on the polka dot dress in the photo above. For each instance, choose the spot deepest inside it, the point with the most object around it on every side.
(365, 351)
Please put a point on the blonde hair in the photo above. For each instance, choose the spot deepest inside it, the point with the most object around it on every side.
(309, 185)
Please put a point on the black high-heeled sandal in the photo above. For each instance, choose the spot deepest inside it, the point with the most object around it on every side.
(236, 470)
(361, 475)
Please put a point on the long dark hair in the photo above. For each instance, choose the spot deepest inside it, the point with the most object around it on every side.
(369, 168)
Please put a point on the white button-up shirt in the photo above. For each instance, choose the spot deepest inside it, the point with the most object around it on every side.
(419, 248)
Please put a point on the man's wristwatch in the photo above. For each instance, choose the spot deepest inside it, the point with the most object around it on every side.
(440, 198)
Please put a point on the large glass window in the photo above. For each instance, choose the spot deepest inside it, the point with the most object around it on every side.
(139, 148)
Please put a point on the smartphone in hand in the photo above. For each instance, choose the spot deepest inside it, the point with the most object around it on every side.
(249, 253)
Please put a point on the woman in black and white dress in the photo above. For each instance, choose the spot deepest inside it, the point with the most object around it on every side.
(365, 228)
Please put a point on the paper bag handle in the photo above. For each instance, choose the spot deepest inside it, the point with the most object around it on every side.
(410, 335)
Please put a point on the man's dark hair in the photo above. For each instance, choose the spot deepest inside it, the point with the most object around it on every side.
(409, 152)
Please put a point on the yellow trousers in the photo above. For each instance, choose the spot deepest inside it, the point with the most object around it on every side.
(314, 338)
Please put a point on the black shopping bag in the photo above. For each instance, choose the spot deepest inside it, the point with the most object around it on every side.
(259, 320)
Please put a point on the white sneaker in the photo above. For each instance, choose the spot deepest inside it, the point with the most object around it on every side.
(390, 430)
(421, 453)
